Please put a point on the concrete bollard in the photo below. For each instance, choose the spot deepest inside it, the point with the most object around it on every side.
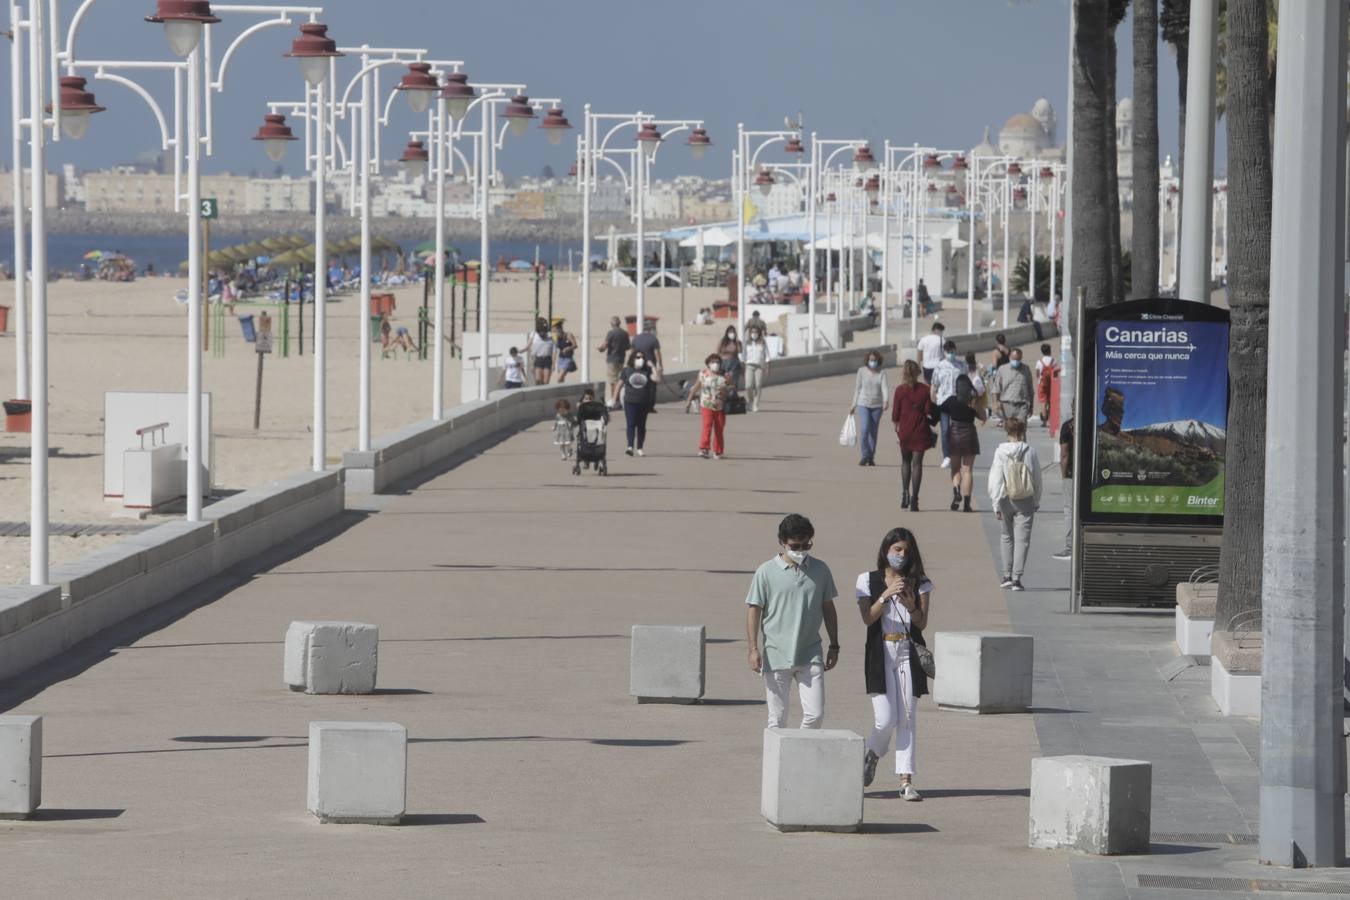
(667, 663)
(1093, 804)
(812, 779)
(20, 766)
(1196, 604)
(358, 772)
(331, 657)
(983, 672)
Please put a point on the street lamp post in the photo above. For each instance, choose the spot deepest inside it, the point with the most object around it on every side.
(747, 160)
(984, 171)
(830, 148)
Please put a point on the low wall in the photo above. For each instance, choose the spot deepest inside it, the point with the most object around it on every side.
(142, 571)
(418, 448)
(982, 341)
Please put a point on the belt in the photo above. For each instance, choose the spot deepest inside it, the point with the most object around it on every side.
(898, 636)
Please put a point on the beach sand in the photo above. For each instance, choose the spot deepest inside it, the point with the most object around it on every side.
(132, 337)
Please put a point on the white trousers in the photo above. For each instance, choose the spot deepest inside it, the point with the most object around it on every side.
(810, 687)
(895, 710)
(754, 384)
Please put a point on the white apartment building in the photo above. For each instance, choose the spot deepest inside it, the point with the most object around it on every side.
(129, 191)
(54, 198)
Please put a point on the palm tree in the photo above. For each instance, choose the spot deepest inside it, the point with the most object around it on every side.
(1144, 253)
(1175, 21)
(1093, 152)
(1115, 14)
(1249, 192)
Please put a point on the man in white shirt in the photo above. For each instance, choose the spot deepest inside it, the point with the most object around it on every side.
(930, 351)
(943, 381)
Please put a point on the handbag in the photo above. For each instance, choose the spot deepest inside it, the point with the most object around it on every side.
(924, 656)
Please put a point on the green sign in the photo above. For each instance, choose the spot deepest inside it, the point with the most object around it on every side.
(210, 208)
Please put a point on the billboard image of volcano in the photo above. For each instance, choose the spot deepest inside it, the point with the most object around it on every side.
(1162, 404)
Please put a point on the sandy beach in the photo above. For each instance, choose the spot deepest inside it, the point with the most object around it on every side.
(131, 337)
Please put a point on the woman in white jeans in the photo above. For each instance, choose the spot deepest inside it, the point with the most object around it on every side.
(893, 600)
(756, 354)
(1015, 493)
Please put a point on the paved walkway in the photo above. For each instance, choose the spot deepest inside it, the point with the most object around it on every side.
(504, 591)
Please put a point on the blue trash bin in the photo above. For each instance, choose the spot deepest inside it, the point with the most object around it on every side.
(250, 333)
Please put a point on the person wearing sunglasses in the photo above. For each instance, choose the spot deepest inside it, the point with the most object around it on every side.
(790, 597)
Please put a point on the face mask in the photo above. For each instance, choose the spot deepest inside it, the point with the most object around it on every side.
(951, 357)
(639, 361)
(873, 364)
(796, 556)
(1016, 363)
(714, 366)
(895, 560)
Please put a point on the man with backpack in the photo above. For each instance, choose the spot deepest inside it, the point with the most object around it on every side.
(1015, 493)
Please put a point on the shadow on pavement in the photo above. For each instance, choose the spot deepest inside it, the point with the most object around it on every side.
(244, 742)
(74, 815)
(896, 828)
(940, 793)
(442, 819)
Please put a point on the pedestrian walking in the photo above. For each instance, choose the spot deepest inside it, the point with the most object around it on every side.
(710, 388)
(930, 350)
(541, 349)
(513, 370)
(615, 348)
(870, 399)
(1001, 354)
(790, 597)
(1013, 388)
(1066, 476)
(729, 348)
(894, 600)
(649, 345)
(565, 348)
(1015, 492)
(962, 411)
(912, 412)
(756, 355)
(637, 383)
(943, 381)
(1045, 379)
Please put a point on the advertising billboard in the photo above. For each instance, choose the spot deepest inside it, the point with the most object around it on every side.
(1156, 392)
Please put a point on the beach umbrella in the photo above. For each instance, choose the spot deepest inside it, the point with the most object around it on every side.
(520, 265)
(94, 254)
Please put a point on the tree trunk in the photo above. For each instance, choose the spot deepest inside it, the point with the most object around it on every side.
(1144, 253)
(1113, 165)
(1249, 209)
(1091, 200)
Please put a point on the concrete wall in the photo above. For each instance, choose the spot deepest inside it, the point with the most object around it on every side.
(115, 583)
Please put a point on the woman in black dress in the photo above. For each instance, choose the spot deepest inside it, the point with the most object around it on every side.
(963, 439)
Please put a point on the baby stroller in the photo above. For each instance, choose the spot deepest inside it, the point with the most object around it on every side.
(592, 425)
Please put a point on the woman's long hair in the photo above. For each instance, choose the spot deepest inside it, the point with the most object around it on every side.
(913, 559)
(965, 389)
(909, 373)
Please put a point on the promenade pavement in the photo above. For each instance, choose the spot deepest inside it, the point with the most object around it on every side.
(504, 590)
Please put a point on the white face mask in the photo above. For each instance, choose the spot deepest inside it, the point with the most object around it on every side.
(796, 556)
(715, 366)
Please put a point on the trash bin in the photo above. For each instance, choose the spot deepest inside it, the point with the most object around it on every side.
(250, 332)
(631, 322)
(375, 328)
(381, 304)
(4, 319)
(19, 416)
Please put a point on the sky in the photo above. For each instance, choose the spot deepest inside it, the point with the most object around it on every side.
(908, 70)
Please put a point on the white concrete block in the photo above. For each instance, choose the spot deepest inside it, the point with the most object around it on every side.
(667, 663)
(1093, 804)
(358, 772)
(812, 779)
(331, 657)
(20, 766)
(983, 672)
(1236, 693)
(1193, 635)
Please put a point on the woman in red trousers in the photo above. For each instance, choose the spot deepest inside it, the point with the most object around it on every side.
(711, 390)
(912, 413)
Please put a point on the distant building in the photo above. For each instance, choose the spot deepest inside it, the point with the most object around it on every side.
(53, 185)
(1026, 135)
(128, 191)
(1125, 152)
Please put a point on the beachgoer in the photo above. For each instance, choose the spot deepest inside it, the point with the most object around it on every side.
(911, 413)
(1045, 376)
(565, 348)
(1015, 492)
(1066, 475)
(790, 597)
(1012, 386)
(943, 383)
(871, 398)
(930, 350)
(637, 382)
(756, 355)
(961, 412)
(513, 370)
(541, 349)
(615, 348)
(710, 388)
(894, 599)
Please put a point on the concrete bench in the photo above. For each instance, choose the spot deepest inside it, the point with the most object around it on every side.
(1092, 804)
(983, 672)
(331, 657)
(20, 766)
(812, 779)
(1196, 604)
(358, 772)
(667, 663)
(1235, 673)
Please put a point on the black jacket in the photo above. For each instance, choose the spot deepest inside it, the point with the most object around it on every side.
(874, 655)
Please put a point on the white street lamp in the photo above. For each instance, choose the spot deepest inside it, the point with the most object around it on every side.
(420, 86)
(183, 22)
(275, 134)
(415, 159)
(518, 114)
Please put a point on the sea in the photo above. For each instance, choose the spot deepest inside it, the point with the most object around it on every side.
(65, 252)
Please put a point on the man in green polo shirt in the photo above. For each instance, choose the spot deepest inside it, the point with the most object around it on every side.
(790, 596)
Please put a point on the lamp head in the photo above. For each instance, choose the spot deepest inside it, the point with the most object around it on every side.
(699, 142)
(863, 158)
(519, 114)
(794, 145)
(77, 105)
(765, 182)
(313, 48)
(649, 139)
(275, 134)
(183, 21)
(415, 158)
(556, 125)
(419, 84)
(457, 94)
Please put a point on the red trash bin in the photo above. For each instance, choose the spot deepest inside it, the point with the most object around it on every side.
(18, 416)
(4, 319)
(631, 322)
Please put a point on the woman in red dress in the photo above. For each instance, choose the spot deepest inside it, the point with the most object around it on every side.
(912, 413)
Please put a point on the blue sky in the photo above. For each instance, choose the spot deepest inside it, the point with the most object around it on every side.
(910, 70)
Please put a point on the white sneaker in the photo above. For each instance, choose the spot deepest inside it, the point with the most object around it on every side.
(909, 792)
(1007, 581)
(640, 453)
(717, 456)
(946, 463)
